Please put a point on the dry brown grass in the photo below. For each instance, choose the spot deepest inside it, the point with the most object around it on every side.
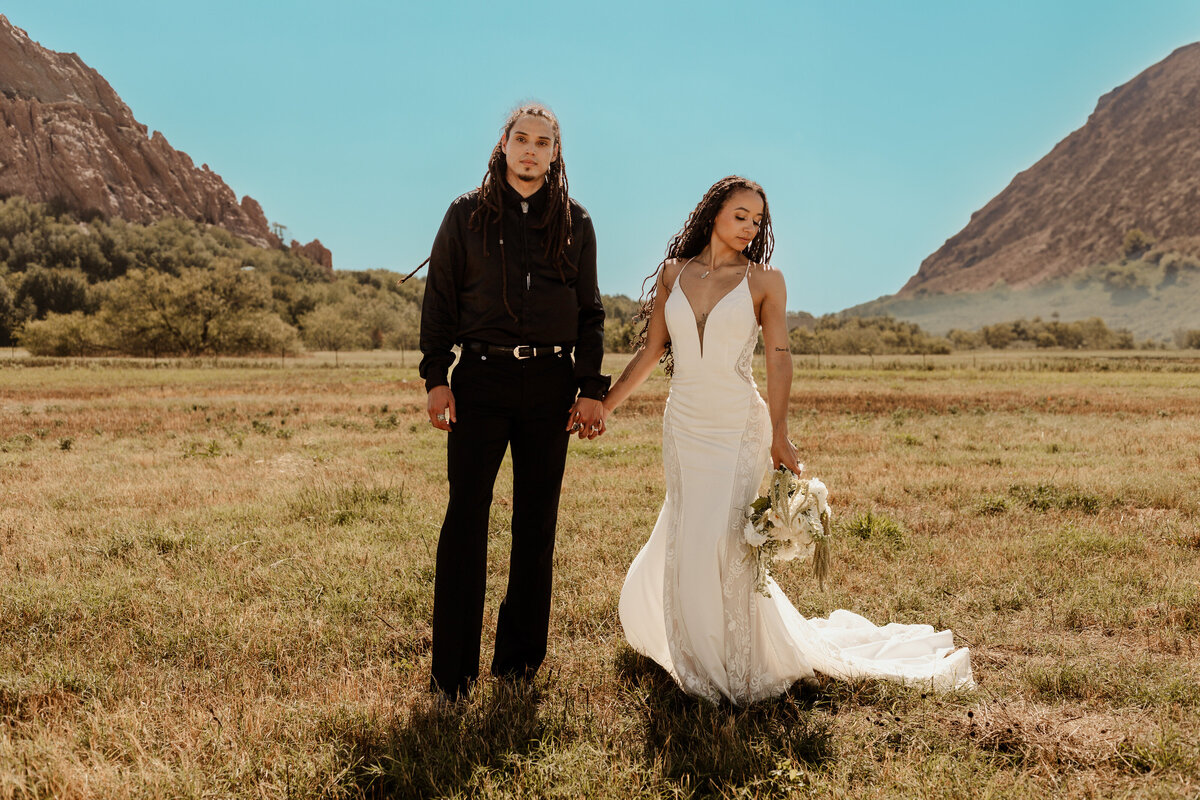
(217, 579)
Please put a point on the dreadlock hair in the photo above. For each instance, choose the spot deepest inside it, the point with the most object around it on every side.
(694, 236)
(556, 219)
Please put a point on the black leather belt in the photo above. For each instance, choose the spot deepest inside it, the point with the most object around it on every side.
(520, 352)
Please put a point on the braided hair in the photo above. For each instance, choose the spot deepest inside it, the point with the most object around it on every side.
(694, 236)
(557, 217)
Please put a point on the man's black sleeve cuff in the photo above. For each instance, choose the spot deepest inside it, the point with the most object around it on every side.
(435, 378)
(595, 388)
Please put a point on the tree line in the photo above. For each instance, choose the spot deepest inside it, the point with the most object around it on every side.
(90, 286)
(93, 286)
(835, 334)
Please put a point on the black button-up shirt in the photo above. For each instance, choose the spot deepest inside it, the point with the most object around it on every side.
(464, 290)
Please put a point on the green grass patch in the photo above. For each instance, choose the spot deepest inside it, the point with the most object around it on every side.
(342, 505)
(992, 505)
(1043, 497)
(875, 527)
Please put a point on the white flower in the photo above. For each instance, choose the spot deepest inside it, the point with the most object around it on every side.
(789, 534)
(753, 536)
(788, 552)
(818, 490)
(793, 550)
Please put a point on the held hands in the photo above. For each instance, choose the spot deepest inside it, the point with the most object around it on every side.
(784, 452)
(586, 418)
(440, 405)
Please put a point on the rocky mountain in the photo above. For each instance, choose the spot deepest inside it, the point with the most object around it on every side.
(1134, 164)
(66, 137)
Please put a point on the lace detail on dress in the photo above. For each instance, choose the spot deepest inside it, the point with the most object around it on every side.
(737, 586)
(685, 670)
(745, 361)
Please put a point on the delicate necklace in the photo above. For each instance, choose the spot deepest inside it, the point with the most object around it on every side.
(711, 268)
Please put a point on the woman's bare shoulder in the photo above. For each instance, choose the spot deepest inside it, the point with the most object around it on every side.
(670, 270)
(766, 275)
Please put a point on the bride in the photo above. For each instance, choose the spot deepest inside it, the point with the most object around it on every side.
(689, 600)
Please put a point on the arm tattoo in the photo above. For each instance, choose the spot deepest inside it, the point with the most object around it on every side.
(782, 350)
(629, 368)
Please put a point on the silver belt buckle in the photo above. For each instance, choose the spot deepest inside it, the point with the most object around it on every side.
(517, 352)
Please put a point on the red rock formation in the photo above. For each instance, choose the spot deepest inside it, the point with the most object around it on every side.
(1134, 164)
(67, 136)
(316, 252)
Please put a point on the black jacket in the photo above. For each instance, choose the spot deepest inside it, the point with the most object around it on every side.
(464, 290)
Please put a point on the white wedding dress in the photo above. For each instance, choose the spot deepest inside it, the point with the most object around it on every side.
(689, 600)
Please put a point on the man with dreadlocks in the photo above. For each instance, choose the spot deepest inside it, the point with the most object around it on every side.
(512, 281)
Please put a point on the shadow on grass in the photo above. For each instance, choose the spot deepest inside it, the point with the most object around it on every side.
(437, 749)
(712, 749)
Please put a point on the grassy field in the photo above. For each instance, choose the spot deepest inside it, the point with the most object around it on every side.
(216, 581)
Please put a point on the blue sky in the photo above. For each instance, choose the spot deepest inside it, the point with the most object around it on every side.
(875, 126)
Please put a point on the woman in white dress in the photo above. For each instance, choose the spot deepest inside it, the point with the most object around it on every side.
(689, 600)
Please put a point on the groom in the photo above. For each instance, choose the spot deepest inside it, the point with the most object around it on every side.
(512, 280)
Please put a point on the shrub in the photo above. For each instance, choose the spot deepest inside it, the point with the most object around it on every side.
(71, 334)
(998, 336)
(1091, 333)
(991, 506)
(1174, 263)
(56, 291)
(1135, 243)
(1188, 339)
(1125, 277)
(849, 335)
(1043, 497)
(218, 310)
(254, 332)
(619, 335)
(8, 314)
(334, 328)
(877, 527)
(965, 340)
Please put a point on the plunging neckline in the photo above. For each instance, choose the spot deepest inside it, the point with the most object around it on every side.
(695, 319)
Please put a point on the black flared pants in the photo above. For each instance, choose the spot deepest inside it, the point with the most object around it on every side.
(501, 403)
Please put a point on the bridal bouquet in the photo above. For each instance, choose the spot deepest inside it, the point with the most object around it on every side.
(792, 521)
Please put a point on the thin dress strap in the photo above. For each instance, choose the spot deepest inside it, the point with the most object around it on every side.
(679, 274)
(746, 280)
